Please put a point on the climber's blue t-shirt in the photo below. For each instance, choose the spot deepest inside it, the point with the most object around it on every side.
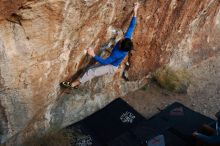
(117, 55)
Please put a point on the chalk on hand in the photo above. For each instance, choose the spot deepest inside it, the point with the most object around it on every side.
(85, 51)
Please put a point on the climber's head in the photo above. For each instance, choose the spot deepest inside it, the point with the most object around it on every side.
(126, 45)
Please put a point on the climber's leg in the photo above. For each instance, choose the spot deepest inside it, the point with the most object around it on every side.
(97, 71)
(94, 66)
(76, 83)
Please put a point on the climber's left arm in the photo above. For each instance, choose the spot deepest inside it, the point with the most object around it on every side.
(106, 61)
(113, 57)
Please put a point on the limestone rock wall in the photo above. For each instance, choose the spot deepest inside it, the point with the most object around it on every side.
(179, 32)
(42, 43)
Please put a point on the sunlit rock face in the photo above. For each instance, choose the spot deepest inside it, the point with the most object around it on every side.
(180, 32)
(42, 43)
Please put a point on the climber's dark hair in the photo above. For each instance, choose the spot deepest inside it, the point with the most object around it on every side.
(126, 45)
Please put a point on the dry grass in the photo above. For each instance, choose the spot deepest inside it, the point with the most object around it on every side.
(173, 80)
(60, 138)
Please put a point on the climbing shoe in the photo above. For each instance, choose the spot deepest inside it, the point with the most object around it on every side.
(68, 85)
(65, 84)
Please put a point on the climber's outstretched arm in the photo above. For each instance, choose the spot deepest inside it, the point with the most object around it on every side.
(136, 7)
(128, 34)
(132, 25)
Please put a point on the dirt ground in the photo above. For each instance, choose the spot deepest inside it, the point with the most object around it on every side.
(151, 98)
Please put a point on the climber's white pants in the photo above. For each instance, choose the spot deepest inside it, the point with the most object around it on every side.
(98, 70)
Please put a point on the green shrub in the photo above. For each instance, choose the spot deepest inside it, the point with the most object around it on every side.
(173, 80)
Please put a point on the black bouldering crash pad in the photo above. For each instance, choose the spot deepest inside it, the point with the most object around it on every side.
(109, 123)
(118, 124)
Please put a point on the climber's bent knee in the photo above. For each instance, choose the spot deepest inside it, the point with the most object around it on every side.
(98, 71)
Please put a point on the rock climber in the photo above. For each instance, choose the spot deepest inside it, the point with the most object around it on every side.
(214, 138)
(111, 63)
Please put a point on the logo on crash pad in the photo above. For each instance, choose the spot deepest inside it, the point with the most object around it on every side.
(127, 117)
(84, 141)
(177, 112)
(157, 141)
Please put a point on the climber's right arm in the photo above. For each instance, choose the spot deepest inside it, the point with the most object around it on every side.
(136, 6)
(131, 28)
(132, 25)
